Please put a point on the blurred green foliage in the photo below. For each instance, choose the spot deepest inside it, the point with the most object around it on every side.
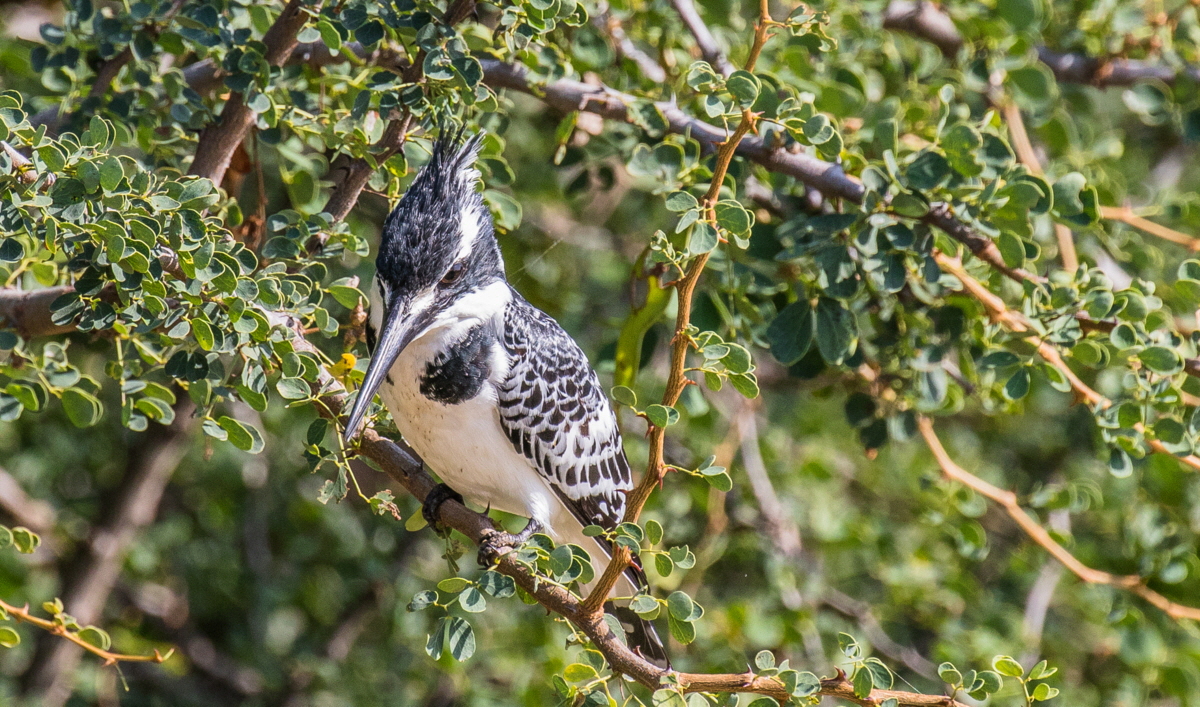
(280, 570)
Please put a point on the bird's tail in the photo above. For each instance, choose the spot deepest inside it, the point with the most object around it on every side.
(640, 633)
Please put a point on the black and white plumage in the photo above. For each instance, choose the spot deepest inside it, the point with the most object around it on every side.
(499, 401)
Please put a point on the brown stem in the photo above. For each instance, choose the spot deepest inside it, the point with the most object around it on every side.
(23, 614)
(1125, 215)
(1008, 501)
(1028, 157)
(1016, 322)
(219, 140)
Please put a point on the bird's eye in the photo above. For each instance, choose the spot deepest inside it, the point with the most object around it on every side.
(453, 273)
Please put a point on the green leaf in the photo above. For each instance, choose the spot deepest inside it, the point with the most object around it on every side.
(1012, 250)
(681, 607)
(949, 674)
(1041, 671)
(663, 565)
(453, 585)
(292, 388)
(579, 672)
(746, 384)
(97, 637)
(423, 600)
(9, 638)
(881, 675)
(661, 415)
(791, 332)
(764, 660)
(645, 606)
(244, 437)
(654, 532)
(460, 638)
(703, 238)
(472, 600)
(864, 682)
(1007, 665)
(25, 540)
(682, 631)
(680, 201)
(202, 330)
(83, 409)
(1162, 360)
(436, 643)
(1119, 463)
(744, 86)
(1017, 386)
(836, 329)
(733, 217)
(623, 395)
(991, 681)
(1044, 692)
(929, 171)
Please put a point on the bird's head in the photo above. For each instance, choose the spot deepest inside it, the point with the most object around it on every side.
(437, 247)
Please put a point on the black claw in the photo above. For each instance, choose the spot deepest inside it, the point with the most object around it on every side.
(439, 495)
(491, 543)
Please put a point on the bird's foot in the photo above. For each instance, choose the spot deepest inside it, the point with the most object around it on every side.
(494, 541)
(433, 502)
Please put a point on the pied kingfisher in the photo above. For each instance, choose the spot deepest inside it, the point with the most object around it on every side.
(490, 391)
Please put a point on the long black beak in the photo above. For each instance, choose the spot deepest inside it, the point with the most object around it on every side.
(399, 329)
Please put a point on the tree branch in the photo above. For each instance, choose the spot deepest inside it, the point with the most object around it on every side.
(1008, 501)
(219, 140)
(926, 20)
(705, 41)
(22, 613)
(1125, 215)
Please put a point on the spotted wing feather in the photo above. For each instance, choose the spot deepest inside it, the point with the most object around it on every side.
(556, 414)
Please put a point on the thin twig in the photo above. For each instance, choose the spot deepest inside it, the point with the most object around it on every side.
(1028, 157)
(1125, 215)
(1008, 501)
(22, 614)
(1016, 322)
(705, 40)
(677, 380)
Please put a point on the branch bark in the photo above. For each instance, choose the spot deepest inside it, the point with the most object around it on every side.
(219, 140)
(926, 20)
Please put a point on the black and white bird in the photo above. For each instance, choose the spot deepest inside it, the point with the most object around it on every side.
(499, 401)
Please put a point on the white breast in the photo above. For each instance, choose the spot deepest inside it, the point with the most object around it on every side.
(463, 442)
